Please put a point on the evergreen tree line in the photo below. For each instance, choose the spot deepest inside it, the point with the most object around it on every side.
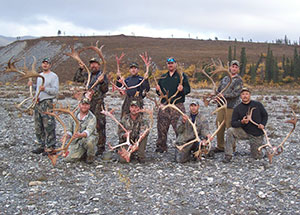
(268, 69)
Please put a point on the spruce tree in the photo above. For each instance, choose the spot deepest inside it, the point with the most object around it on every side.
(234, 52)
(243, 62)
(269, 65)
(229, 54)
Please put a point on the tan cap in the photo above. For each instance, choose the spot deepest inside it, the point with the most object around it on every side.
(236, 62)
(94, 60)
(85, 101)
(245, 89)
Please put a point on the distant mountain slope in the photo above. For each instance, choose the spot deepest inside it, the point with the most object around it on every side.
(7, 40)
(187, 51)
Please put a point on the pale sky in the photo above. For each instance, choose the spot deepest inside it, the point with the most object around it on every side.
(259, 20)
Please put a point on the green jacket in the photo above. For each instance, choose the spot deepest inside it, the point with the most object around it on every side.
(169, 84)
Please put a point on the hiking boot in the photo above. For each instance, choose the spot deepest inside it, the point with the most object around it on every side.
(49, 151)
(38, 150)
(217, 150)
(141, 160)
(227, 159)
(160, 150)
(100, 151)
(90, 159)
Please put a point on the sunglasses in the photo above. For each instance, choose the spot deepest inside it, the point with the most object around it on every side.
(171, 60)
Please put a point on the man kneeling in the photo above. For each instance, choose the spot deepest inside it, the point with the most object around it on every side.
(84, 146)
(137, 125)
(186, 133)
(243, 129)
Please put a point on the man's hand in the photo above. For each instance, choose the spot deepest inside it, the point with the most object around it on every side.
(180, 87)
(29, 83)
(64, 138)
(80, 135)
(89, 94)
(245, 120)
(81, 66)
(100, 79)
(125, 135)
(184, 118)
(158, 88)
(42, 88)
(261, 126)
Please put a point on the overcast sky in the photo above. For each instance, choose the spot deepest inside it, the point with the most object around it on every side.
(259, 20)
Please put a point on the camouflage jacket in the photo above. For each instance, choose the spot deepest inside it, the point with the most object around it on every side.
(101, 88)
(80, 76)
(87, 124)
(186, 132)
(137, 127)
(232, 94)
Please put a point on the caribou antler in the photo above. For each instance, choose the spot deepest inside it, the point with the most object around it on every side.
(124, 87)
(132, 147)
(54, 153)
(98, 50)
(274, 150)
(204, 145)
(26, 73)
(76, 56)
(219, 68)
(120, 79)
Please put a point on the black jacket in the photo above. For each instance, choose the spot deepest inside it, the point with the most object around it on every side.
(259, 115)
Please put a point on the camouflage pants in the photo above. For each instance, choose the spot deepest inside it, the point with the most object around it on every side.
(140, 152)
(126, 104)
(165, 118)
(44, 124)
(185, 154)
(81, 148)
(234, 134)
(96, 108)
(221, 115)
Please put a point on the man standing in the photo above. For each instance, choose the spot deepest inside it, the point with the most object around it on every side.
(44, 123)
(97, 101)
(96, 95)
(86, 136)
(243, 129)
(80, 76)
(137, 93)
(169, 83)
(232, 96)
(186, 133)
(137, 125)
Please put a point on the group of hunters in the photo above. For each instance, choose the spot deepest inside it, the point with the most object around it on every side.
(90, 139)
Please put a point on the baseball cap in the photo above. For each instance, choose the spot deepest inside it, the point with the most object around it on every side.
(134, 102)
(235, 62)
(194, 102)
(245, 89)
(134, 64)
(46, 59)
(85, 101)
(94, 60)
(171, 60)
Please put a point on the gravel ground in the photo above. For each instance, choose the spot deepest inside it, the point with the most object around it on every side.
(31, 185)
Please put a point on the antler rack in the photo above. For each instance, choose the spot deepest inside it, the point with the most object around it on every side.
(273, 150)
(26, 73)
(56, 112)
(218, 68)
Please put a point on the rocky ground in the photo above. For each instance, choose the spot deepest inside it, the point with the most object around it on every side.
(31, 185)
